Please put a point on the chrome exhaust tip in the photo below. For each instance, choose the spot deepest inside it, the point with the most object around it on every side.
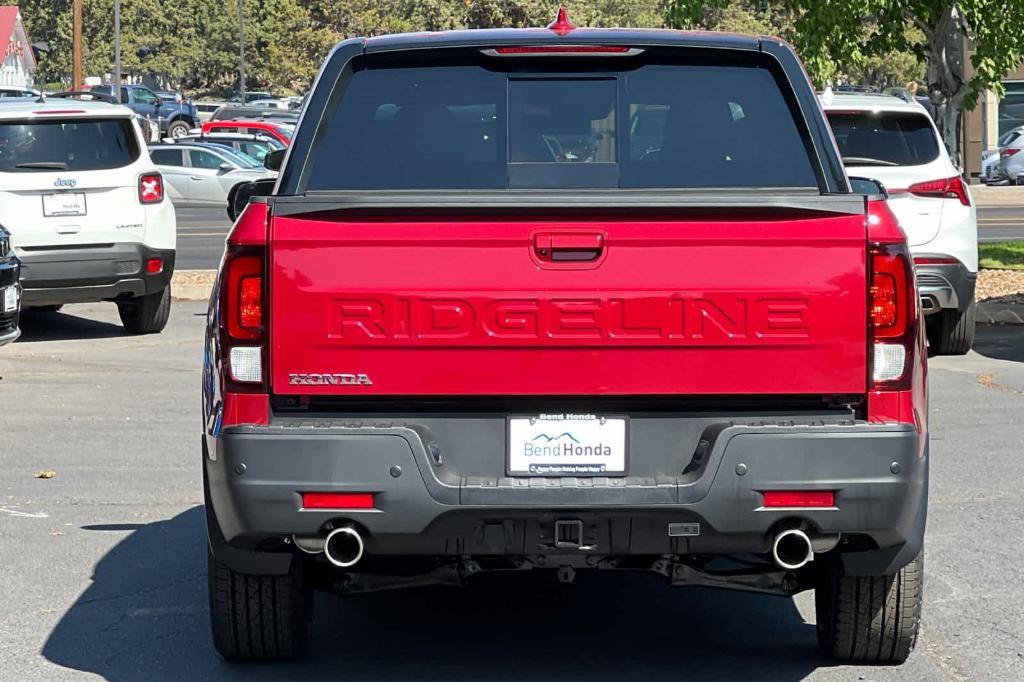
(344, 547)
(792, 549)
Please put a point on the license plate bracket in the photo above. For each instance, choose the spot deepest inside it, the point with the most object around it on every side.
(61, 204)
(567, 445)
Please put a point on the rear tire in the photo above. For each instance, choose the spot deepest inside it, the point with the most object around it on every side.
(259, 617)
(178, 129)
(952, 332)
(869, 619)
(146, 314)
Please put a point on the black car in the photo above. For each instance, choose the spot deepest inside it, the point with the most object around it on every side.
(10, 290)
(232, 112)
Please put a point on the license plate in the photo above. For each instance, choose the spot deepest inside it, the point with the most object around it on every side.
(567, 445)
(10, 299)
(64, 204)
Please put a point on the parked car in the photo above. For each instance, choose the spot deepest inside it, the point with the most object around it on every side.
(256, 146)
(203, 174)
(250, 97)
(17, 92)
(897, 143)
(86, 210)
(280, 104)
(205, 110)
(231, 113)
(990, 173)
(1011, 161)
(440, 347)
(175, 96)
(10, 290)
(279, 131)
(175, 119)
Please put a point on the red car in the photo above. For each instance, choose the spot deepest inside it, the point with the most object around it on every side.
(281, 133)
(569, 300)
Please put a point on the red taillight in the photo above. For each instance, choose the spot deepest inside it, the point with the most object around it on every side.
(935, 260)
(250, 303)
(946, 188)
(151, 188)
(888, 292)
(337, 500)
(1007, 153)
(799, 498)
(892, 301)
(244, 295)
(154, 266)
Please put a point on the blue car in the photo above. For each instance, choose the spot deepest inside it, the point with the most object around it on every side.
(175, 119)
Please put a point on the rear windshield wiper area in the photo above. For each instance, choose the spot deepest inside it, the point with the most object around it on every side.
(866, 161)
(43, 165)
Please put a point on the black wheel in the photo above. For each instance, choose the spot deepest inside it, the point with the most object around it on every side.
(178, 128)
(259, 618)
(46, 308)
(146, 314)
(952, 331)
(874, 619)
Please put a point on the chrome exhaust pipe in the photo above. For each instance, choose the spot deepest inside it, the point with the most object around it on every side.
(792, 549)
(343, 547)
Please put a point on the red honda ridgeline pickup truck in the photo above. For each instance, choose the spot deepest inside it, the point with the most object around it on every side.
(565, 299)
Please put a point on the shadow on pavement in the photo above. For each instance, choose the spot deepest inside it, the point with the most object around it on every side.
(145, 617)
(1001, 342)
(59, 326)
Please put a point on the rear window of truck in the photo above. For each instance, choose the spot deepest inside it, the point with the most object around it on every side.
(496, 125)
(884, 138)
(70, 145)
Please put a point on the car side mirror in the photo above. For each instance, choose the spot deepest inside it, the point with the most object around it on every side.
(868, 186)
(241, 193)
(274, 160)
(225, 167)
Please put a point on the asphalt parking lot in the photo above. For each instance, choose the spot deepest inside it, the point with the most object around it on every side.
(103, 565)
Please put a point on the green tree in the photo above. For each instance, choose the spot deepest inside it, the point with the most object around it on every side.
(833, 34)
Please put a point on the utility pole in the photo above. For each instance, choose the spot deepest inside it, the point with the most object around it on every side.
(241, 53)
(117, 51)
(77, 80)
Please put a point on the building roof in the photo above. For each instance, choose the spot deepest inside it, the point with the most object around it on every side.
(10, 18)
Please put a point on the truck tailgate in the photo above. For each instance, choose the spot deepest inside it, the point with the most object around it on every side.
(695, 304)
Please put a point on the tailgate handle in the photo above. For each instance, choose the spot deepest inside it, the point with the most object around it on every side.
(569, 247)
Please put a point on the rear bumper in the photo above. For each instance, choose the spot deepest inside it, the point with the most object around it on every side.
(255, 477)
(945, 287)
(91, 273)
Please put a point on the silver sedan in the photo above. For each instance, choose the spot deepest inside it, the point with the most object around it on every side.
(203, 174)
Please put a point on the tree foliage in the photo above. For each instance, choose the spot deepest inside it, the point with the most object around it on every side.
(834, 36)
(193, 44)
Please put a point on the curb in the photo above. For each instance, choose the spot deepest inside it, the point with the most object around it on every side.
(192, 285)
(999, 313)
(1001, 197)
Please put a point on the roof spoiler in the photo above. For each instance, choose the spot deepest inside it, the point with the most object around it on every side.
(85, 95)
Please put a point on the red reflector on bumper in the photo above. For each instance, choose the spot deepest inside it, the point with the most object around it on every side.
(337, 500)
(154, 266)
(799, 498)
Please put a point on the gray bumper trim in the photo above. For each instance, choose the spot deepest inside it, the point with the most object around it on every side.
(856, 460)
(944, 286)
(91, 273)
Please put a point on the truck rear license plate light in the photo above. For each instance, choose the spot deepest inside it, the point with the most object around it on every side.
(776, 499)
(337, 500)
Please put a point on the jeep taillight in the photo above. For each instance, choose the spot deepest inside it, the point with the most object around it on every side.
(892, 300)
(151, 188)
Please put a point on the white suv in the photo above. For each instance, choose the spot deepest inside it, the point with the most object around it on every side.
(86, 209)
(895, 142)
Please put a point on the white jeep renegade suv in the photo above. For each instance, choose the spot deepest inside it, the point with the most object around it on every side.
(895, 142)
(86, 209)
